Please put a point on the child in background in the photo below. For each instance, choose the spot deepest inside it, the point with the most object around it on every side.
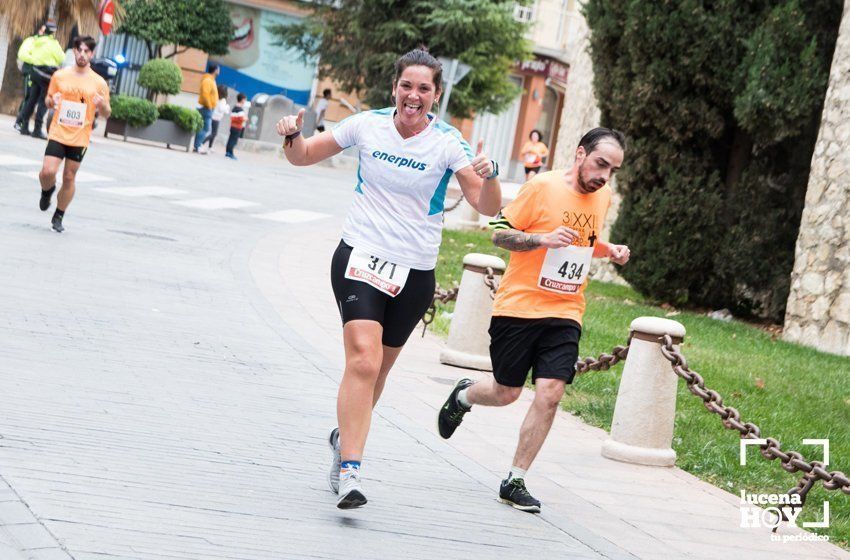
(238, 118)
(221, 109)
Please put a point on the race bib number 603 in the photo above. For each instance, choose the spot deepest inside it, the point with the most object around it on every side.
(565, 269)
(72, 114)
(385, 276)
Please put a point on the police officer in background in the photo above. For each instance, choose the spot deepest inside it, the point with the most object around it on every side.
(41, 55)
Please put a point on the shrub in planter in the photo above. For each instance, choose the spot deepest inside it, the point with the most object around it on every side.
(187, 119)
(134, 111)
(161, 76)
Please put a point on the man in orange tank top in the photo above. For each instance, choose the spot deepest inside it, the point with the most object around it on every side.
(75, 93)
(552, 230)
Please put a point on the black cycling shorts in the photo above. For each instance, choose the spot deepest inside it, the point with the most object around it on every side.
(57, 149)
(530, 169)
(546, 347)
(359, 300)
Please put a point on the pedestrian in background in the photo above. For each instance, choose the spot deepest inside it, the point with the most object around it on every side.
(41, 55)
(221, 109)
(207, 99)
(238, 118)
(532, 153)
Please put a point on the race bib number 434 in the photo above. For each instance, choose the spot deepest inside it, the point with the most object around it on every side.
(72, 114)
(565, 269)
(385, 276)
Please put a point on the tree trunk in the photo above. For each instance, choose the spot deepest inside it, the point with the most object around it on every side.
(12, 88)
(175, 53)
(739, 157)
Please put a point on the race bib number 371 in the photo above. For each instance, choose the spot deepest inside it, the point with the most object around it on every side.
(72, 114)
(385, 276)
(565, 269)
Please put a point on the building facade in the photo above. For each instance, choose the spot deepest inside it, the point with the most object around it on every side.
(543, 82)
(256, 65)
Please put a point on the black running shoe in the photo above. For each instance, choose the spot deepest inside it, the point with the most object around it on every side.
(451, 415)
(37, 134)
(44, 201)
(57, 224)
(514, 493)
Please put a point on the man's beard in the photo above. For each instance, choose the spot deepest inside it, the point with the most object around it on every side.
(585, 186)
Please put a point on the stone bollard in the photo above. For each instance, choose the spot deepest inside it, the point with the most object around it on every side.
(469, 342)
(642, 428)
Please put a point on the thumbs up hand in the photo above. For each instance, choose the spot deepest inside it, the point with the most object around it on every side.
(290, 124)
(481, 164)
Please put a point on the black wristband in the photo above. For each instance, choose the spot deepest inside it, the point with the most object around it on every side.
(287, 140)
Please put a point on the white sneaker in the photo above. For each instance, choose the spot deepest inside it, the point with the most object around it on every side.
(333, 474)
(203, 151)
(350, 492)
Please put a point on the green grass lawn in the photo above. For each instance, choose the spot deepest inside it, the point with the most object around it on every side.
(791, 392)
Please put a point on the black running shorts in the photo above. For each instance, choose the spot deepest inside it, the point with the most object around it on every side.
(57, 149)
(546, 347)
(359, 300)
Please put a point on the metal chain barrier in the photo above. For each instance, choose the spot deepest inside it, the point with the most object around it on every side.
(441, 295)
(444, 296)
(455, 205)
(790, 461)
(604, 361)
(490, 282)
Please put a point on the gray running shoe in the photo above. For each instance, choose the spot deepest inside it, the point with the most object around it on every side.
(333, 474)
(350, 492)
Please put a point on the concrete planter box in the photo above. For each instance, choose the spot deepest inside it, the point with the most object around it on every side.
(163, 131)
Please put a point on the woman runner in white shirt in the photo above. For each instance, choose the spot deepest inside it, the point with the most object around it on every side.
(383, 269)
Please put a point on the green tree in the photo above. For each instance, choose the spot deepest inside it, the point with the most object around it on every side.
(357, 43)
(721, 101)
(161, 76)
(196, 24)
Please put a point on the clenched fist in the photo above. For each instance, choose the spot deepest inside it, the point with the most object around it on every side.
(290, 124)
(618, 254)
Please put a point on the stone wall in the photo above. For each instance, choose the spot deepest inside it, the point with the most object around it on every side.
(580, 114)
(818, 310)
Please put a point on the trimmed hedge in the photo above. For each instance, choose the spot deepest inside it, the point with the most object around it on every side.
(161, 76)
(187, 119)
(135, 111)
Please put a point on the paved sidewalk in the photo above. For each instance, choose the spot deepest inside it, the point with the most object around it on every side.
(168, 379)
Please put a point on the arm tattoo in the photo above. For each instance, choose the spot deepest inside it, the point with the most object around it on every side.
(515, 240)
